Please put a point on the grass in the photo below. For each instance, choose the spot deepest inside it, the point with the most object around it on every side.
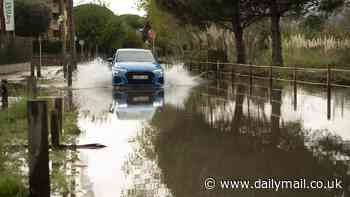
(13, 127)
(12, 187)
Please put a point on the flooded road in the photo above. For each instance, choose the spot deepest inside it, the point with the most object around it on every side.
(169, 142)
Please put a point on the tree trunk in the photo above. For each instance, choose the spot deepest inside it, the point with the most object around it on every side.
(40, 58)
(277, 58)
(238, 31)
(71, 34)
(63, 34)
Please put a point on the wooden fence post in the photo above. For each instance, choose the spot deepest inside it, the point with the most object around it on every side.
(55, 127)
(329, 94)
(38, 149)
(32, 69)
(70, 74)
(295, 76)
(207, 70)
(271, 76)
(232, 73)
(250, 79)
(32, 89)
(58, 106)
(4, 93)
(217, 70)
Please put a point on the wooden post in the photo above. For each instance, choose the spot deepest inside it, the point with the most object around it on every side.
(32, 69)
(4, 93)
(38, 149)
(250, 79)
(38, 71)
(295, 88)
(32, 90)
(329, 94)
(55, 127)
(232, 73)
(70, 70)
(58, 106)
(68, 106)
(217, 70)
(271, 76)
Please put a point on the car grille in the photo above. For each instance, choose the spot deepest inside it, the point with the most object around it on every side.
(132, 80)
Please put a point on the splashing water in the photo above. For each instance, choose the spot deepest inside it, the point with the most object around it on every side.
(178, 85)
(177, 75)
(96, 75)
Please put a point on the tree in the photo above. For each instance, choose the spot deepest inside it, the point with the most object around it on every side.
(91, 21)
(133, 39)
(114, 35)
(32, 18)
(166, 27)
(276, 9)
(133, 21)
(234, 15)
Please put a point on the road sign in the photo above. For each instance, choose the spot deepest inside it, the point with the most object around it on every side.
(9, 15)
(151, 35)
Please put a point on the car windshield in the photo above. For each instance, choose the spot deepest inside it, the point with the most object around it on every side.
(135, 56)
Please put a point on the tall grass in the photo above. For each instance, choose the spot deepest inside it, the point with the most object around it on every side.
(317, 52)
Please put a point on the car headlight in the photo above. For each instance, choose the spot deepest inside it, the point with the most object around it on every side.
(158, 104)
(117, 71)
(159, 71)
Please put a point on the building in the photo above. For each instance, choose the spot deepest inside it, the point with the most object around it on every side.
(59, 22)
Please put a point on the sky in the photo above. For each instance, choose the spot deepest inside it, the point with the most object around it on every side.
(118, 6)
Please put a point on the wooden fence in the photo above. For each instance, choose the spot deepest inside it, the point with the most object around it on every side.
(228, 71)
(272, 73)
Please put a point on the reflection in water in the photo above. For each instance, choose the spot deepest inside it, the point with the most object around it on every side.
(244, 146)
(165, 143)
(119, 169)
(134, 104)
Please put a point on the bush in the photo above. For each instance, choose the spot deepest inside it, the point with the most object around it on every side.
(48, 47)
(12, 187)
(133, 40)
(15, 51)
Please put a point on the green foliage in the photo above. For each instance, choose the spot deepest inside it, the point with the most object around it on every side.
(32, 18)
(313, 24)
(171, 37)
(12, 187)
(90, 21)
(16, 51)
(133, 21)
(133, 39)
(98, 25)
(48, 47)
(114, 35)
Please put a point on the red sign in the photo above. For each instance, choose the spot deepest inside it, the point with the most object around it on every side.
(151, 35)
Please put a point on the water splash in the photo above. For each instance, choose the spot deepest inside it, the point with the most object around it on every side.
(178, 85)
(177, 75)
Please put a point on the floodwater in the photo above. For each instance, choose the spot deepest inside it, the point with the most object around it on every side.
(169, 142)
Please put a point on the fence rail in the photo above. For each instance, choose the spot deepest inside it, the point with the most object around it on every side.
(231, 70)
(223, 70)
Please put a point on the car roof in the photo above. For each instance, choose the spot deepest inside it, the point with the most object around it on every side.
(131, 49)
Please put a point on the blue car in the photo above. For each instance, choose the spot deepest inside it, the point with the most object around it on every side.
(136, 104)
(136, 67)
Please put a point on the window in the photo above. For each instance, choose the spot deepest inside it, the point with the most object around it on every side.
(135, 56)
